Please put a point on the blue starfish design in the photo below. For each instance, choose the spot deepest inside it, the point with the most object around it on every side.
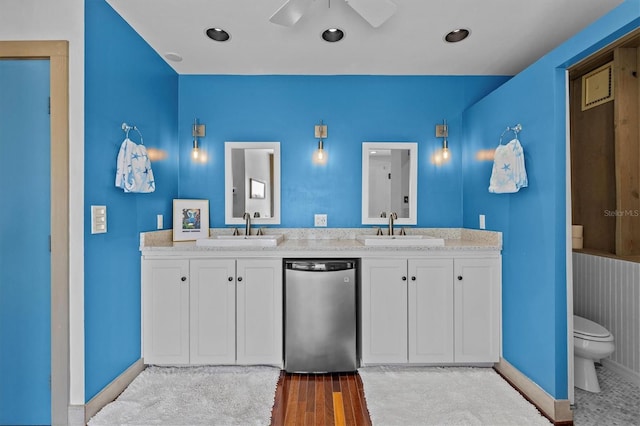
(135, 156)
(506, 167)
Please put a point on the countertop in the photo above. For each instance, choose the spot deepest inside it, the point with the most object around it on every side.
(315, 241)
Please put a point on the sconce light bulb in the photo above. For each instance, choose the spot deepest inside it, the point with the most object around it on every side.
(320, 155)
(195, 152)
(445, 149)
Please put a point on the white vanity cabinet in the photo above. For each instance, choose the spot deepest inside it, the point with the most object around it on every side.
(165, 311)
(384, 310)
(478, 307)
(259, 311)
(430, 310)
(212, 332)
(407, 310)
(212, 311)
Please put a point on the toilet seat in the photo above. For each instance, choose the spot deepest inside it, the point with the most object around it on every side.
(589, 330)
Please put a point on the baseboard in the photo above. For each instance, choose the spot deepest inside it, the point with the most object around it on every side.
(75, 415)
(622, 371)
(556, 410)
(113, 389)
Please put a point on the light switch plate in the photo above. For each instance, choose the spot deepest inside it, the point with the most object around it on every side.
(98, 219)
(482, 222)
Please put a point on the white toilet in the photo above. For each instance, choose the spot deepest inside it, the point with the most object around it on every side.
(591, 342)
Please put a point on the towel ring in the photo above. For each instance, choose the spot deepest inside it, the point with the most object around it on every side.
(515, 129)
(126, 128)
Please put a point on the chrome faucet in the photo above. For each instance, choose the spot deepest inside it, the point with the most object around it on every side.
(247, 224)
(392, 216)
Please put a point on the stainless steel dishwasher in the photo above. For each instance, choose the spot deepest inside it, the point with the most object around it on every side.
(320, 317)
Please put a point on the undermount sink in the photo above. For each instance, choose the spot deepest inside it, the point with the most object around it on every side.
(401, 240)
(241, 241)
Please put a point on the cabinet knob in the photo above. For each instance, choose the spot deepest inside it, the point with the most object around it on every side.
(239, 278)
(413, 278)
(459, 277)
(183, 278)
(230, 278)
(404, 278)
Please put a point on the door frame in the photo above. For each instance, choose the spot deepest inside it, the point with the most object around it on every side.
(582, 64)
(57, 52)
(569, 243)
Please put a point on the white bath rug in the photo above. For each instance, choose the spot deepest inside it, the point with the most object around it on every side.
(220, 395)
(407, 396)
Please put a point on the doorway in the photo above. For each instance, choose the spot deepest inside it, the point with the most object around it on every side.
(603, 168)
(57, 54)
(25, 273)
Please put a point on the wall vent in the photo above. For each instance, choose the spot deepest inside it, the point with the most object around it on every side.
(597, 86)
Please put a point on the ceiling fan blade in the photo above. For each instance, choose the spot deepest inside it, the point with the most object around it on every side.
(290, 12)
(375, 12)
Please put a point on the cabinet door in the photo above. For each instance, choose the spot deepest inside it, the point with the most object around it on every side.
(259, 316)
(477, 310)
(430, 310)
(165, 311)
(212, 311)
(384, 311)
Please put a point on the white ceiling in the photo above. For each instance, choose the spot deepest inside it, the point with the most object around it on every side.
(506, 35)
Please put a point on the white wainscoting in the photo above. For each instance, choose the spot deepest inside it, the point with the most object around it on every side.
(607, 291)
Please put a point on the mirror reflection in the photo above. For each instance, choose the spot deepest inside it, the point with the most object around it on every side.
(252, 182)
(389, 182)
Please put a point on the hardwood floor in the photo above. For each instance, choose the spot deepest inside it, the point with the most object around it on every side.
(320, 399)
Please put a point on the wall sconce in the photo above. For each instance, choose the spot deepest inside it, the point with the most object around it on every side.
(442, 131)
(197, 131)
(320, 156)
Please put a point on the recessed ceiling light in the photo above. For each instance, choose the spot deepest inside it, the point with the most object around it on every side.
(332, 35)
(457, 35)
(217, 34)
(173, 56)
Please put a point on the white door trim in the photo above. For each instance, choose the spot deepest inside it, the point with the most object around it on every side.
(569, 243)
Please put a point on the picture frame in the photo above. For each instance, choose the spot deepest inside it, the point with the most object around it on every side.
(190, 219)
(256, 188)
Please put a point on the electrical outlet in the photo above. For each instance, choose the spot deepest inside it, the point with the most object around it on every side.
(482, 222)
(159, 224)
(320, 220)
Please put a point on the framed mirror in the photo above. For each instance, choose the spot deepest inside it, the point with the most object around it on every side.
(389, 182)
(252, 182)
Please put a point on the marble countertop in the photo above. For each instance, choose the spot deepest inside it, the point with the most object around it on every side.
(315, 240)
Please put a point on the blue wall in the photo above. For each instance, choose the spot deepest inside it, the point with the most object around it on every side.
(126, 81)
(356, 109)
(533, 221)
